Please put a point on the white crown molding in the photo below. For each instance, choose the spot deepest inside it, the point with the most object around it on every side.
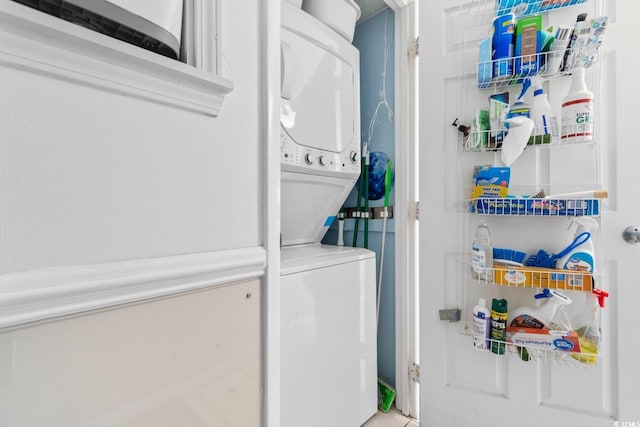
(33, 41)
(39, 295)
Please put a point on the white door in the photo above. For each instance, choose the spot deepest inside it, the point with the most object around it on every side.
(460, 386)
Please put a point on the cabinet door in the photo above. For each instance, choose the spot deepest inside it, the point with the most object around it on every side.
(460, 386)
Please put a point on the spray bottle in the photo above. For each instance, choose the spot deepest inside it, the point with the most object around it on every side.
(539, 317)
(581, 258)
(546, 123)
(589, 334)
(577, 111)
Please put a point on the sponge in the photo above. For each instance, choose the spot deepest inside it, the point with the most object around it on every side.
(386, 395)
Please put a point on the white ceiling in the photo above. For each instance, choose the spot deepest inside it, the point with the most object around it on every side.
(370, 8)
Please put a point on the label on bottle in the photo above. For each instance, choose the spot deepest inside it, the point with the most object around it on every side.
(478, 260)
(580, 261)
(577, 120)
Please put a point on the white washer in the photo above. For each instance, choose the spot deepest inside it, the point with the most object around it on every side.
(320, 125)
(328, 336)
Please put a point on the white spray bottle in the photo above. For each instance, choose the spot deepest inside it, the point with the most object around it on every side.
(542, 317)
(546, 122)
(581, 258)
(577, 111)
(539, 317)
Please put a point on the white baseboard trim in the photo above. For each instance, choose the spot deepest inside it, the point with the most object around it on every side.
(39, 295)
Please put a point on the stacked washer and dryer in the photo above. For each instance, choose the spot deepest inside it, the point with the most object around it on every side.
(328, 293)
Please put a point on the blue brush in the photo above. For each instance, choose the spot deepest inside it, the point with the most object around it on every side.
(506, 254)
(543, 259)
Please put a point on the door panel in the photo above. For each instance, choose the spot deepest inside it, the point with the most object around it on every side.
(461, 386)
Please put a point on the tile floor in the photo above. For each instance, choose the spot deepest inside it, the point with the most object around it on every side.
(390, 419)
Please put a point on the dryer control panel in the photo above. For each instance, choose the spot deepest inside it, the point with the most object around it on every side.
(296, 157)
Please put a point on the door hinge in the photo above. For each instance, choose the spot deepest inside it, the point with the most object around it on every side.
(417, 211)
(414, 372)
(414, 48)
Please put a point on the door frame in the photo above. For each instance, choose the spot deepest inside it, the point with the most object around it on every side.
(270, 129)
(406, 234)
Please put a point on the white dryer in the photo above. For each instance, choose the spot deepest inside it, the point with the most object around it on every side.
(320, 125)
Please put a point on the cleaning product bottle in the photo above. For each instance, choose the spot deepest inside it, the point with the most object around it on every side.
(498, 325)
(577, 111)
(482, 254)
(539, 317)
(546, 122)
(589, 334)
(581, 258)
(481, 325)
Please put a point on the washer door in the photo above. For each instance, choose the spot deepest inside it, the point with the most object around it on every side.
(318, 95)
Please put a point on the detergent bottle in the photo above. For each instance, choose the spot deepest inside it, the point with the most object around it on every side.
(581, 257)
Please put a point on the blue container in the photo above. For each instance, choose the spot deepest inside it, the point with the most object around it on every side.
(503, 45)
(484, 64)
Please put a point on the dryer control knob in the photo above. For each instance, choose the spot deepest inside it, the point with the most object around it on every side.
(322, 161)
(353, 156)
(309, 158)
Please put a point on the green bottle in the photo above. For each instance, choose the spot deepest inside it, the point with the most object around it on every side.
(498, 325)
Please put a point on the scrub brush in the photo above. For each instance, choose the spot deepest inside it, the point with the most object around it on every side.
(508, 256)
(541, 259)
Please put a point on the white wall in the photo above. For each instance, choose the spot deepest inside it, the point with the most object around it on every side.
(91, 178)
(88, 176)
